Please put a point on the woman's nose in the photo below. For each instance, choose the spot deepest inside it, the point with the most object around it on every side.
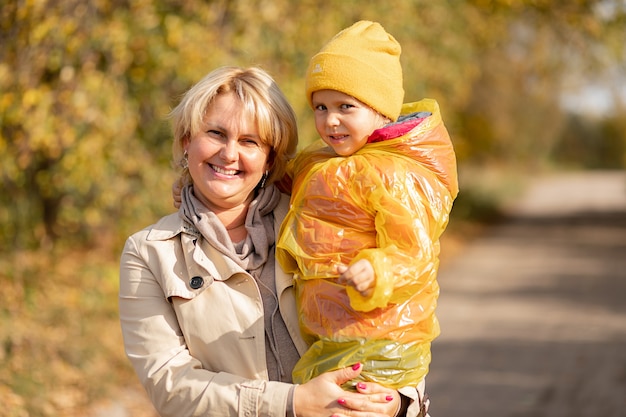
(230, 150)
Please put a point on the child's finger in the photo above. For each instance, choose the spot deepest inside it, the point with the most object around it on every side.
(340, 268)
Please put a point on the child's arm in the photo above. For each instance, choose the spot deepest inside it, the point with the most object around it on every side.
(411, 213)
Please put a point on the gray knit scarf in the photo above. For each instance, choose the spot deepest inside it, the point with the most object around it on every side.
(252, 255)
(259, 224)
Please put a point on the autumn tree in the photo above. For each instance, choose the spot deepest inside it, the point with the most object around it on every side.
(86, 88)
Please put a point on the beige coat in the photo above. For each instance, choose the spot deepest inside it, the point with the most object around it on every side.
(200, 352)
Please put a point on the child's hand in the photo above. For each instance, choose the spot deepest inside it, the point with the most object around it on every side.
(177, 188)
(360, 275)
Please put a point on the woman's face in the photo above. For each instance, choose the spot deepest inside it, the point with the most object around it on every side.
(227, 157)
(344, 122)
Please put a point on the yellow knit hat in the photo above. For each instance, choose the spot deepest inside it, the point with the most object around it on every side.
(362, 61)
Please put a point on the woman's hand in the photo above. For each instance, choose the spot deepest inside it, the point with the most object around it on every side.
(323, 397)
(177, 189)
(379, 399)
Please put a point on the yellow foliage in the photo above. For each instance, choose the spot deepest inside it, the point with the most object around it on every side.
(59, 331)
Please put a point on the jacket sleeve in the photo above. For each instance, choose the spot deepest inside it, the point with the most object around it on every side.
(411, 198)
(410, 217)
(416, 399)
(174, 380)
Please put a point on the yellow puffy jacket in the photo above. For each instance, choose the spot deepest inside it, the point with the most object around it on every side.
(388, 203)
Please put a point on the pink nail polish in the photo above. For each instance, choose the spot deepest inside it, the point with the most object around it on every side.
(356, 366)
(341, 401)
(389, 398)
(361, 385)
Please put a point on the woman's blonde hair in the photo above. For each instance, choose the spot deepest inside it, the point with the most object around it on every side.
(260, 96)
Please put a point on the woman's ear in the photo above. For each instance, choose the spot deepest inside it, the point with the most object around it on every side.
(269, 164)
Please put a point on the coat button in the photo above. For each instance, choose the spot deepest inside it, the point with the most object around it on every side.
(196, 282)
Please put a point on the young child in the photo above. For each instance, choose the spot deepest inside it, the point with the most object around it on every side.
(369, 203)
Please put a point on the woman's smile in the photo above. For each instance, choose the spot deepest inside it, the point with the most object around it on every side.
(224, 171)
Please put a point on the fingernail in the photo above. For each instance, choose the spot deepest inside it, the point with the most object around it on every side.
(361, 385)
(389, 398)
(356, 366)
(341, 401)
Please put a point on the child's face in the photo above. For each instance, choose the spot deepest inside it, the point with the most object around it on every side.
(344, 122)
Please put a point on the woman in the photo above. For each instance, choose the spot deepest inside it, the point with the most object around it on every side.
(208, 318)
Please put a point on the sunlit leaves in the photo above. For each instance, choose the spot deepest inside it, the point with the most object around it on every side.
(85, 86)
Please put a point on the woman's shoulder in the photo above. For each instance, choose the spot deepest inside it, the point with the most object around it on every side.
(280, 212)
(165, 228)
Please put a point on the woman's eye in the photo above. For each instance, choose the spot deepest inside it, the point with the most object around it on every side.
(249, 142)
(214, 132)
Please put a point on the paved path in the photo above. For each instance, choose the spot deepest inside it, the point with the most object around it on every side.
(533, 312)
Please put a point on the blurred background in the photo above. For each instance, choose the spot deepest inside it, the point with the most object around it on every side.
(526, 87)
